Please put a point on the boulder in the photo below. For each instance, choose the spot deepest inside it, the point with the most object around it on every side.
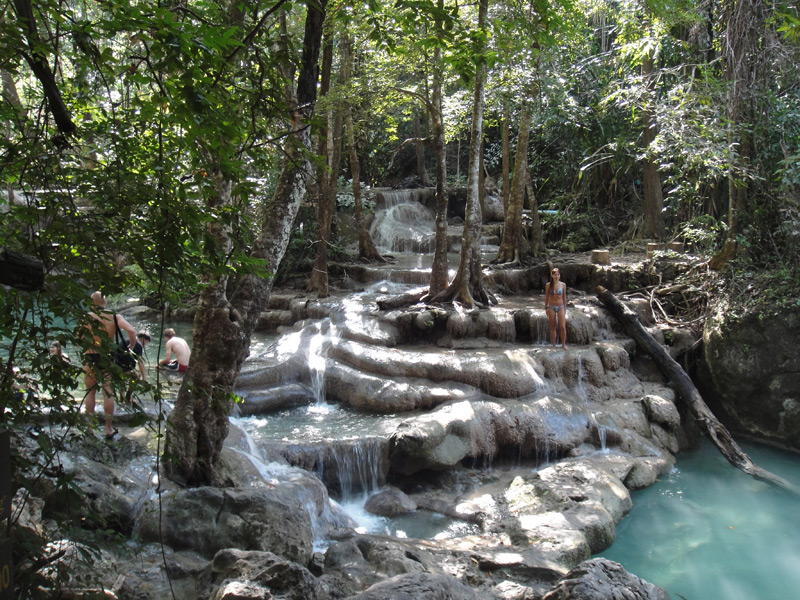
(389, 503)
(413, 586)
(262, 575)
(750, 379)
(441, 439)
(278, 518)
(601, 579)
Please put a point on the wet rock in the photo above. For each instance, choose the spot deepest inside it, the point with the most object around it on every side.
(207, 520)
(601, 579)
(390, 502)
(382, 394)
(662, 411)
(108, 495)
(346, 569)
(503, 373)
(580, 328)
(496, 325)
(390, 557)
(613, 356)
(262, 575)
(635, 472)
(479, 430)
(260, 401)
(413, 586)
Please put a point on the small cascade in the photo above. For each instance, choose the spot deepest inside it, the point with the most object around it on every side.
(541, 334)
(387, 198)
(581, 390)
(355, 469)
(320, 521)
(407, 227)
(317, 353)
(601, 434)
(544, 455)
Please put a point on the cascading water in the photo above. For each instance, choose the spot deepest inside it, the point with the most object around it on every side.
(317, 351)
(403, 225)
(321, 520)
(358, 467)
(404, 228)
(581, 391)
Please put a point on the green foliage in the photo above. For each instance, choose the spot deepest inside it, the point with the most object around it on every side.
(574, 228)
(702, 233)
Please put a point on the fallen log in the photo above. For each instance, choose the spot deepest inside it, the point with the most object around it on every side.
(680, 380)
(409, 298)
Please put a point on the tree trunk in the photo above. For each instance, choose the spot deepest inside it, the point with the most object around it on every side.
(688, 392)
(467, 286)
(512, 228)
(419, 148)
(653, 194)
(505, 177)
(742, 43)
(439, 268)
(366, 246)
(21, 271)
(198, 426)
(318, 280)
(537, 247)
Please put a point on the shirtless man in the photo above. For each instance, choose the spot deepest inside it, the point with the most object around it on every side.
(177, 346)
(97, 363)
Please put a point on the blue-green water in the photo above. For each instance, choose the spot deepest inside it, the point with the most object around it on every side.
(707, 531)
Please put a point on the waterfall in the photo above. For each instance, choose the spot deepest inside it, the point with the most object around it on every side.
(355, 468)
(402, 223)
(404, 228)
(601, 429)
(318, 346)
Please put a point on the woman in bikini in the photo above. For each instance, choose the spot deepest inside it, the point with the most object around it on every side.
(555, 305)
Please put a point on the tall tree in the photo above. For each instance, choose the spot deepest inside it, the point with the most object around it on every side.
(366, 246)
(743, 50)
(467, 286)
(224, 323)
(505, 170)
(512, 243)
(329, 173)
(420, 133)
(318, 279)
(651, 180)
(439, 267)
(34, 54)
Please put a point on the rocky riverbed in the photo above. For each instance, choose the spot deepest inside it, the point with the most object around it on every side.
(537, 448)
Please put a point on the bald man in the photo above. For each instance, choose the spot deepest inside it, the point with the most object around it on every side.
(96, 362)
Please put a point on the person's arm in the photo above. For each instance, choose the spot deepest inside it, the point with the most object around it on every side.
(547, 295)
(140, 360)
(167, 353)
(125, 326)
